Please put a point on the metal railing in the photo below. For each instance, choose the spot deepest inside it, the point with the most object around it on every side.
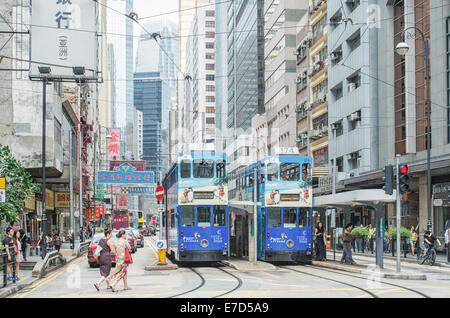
(83, 248)
(52, 259)
(4, 258)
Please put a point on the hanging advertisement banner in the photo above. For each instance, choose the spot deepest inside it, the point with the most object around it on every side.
(49, 200)
(99, 212)
(114, 144)
(62, 200)
(63, 36)
(138, 165)
(126, 174)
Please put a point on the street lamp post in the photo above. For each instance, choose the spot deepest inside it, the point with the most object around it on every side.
(402, 49)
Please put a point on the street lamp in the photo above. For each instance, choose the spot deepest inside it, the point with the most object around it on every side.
(45, 72)
(402, 49)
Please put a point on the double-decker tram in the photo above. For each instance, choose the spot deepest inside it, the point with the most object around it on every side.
(284, 189)
(195, 218)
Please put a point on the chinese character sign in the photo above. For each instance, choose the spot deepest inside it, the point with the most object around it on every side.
(126, 174)
(64, 33)
(114, 144)
(62, 200)
(122, 201)
(99, 212)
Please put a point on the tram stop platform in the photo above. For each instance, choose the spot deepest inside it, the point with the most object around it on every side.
(244, 265)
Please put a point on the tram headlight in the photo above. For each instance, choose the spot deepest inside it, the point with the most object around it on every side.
(290, 244)
(204, 243)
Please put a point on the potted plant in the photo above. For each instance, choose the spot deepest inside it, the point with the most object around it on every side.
(359, 233)
(404, 234)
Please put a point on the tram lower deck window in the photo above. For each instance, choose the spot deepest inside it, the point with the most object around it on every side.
(187, 215)
(219, 215)
(303, 217)
(274, 217)
(204, 216)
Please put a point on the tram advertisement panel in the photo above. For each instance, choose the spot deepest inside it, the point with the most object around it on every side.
(202, 191)
(282, 193)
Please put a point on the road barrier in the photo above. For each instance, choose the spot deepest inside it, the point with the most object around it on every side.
(83, 248)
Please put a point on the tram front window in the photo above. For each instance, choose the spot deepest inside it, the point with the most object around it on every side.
(187, 215)
(203, 216)
(303, 217)
(289, 217)
(219, 215)
(203, 168)
(274, 217)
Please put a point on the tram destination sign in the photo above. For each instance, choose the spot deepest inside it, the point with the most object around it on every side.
(126, 174)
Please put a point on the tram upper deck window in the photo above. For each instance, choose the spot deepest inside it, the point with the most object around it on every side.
(203, 216)
(272, 172)
(185, 168)
(188, 215)
(303, 217)
(306, 172)
(220, 167)
(290, 217)
(219, 215)
(273, 217)
(203, 168)
(290, 171)
(261, 174)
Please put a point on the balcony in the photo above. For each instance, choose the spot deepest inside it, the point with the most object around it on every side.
(319, 101)
(317, 68)
(318, 133)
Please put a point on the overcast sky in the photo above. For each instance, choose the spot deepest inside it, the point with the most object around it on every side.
(146, 8)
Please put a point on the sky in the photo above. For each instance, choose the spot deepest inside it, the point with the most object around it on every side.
(146, 8)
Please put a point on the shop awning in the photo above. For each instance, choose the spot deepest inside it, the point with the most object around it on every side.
(353, 198)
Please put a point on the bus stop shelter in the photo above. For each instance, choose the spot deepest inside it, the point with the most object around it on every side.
(375, 198)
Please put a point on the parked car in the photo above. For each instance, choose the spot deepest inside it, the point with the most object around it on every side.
(92, 260)
(151, 230)
(131, 239)
(139, 238)
(143, 229)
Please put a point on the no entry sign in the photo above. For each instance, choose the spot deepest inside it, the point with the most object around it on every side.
(159, 193)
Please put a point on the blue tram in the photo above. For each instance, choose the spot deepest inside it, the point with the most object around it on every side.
(284, 188)
(195, 220)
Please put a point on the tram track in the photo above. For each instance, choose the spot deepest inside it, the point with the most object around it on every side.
(235, 288)
(333, 280)
(381, 282)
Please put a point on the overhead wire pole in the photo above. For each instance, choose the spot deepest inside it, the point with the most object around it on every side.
(397, 162)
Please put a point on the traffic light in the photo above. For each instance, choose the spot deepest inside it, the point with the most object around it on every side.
(388, 179)
(403, 179)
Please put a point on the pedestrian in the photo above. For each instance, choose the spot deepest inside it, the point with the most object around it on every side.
(43, 245)
(371, 236)
(386, 240)
(121, 267)
(19, 256)
(57, 242)
(48, 243)
(105, 259)
(413, 239)
(10, 248)
(447, 242)
(320, 245)
(347, 239)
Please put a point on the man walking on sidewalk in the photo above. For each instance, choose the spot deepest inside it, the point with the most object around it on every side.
(347, 239)
(447, 242)
(9, 245)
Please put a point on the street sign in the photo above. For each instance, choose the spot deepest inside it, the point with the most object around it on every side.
(126, 175)
(2, 183)
(161, 244)
(159, 193)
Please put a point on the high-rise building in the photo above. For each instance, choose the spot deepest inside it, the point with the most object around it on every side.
(201, 90)
(276, 126)
(152, 98)
(245, 54)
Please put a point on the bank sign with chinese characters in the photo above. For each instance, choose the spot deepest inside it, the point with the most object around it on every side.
(126, 174)
(63, 32)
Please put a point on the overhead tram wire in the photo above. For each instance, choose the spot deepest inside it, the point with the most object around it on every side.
(199, 35)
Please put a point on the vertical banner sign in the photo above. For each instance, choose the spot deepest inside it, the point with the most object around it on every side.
(63, 32)
(2, 190)
(114, 144)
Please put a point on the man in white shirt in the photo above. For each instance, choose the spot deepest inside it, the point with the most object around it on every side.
(447, 241)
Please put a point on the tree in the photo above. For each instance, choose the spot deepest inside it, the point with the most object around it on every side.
(19, 185)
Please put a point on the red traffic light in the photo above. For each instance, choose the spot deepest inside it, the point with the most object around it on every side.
(404, 169)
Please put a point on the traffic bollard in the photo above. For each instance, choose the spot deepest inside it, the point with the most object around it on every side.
(162, 256)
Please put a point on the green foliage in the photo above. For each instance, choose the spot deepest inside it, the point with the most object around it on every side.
(100, 230)
(404, 232)
(1, 247)
(19, 185)
(360, 232)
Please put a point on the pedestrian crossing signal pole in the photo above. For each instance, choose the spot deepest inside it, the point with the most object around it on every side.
(398, 212)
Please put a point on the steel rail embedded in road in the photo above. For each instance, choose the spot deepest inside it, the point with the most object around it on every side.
(333, 280)
(235, 288)
(194, 289)
(382, 282)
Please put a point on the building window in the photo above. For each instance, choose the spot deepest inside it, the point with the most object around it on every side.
(210, 110)
(210, 120)
(210, 35)
(210, 77)
(353, 4)
(210, 88)
(354, 120)
(318, 28)
(209, 45)
(210, 13)
(320, 91)
(354, 160)
(354, 81)
(276, 26)
(340, 164)
(210, 99)
(210, 67)
(210, 24)
(354, 41)
(337, 92)
(209, 56)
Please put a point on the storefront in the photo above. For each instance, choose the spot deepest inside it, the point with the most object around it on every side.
(441, 209)
(29, 213)
(62, 207)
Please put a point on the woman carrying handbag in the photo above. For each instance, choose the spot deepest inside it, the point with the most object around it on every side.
(122, 261)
